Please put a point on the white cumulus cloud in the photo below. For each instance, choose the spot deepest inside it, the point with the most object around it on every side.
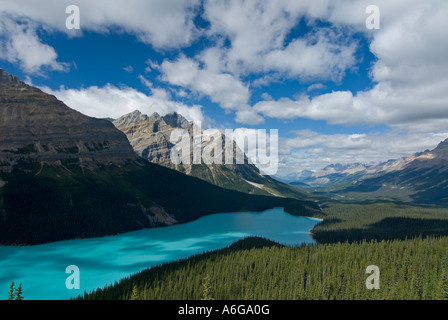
(19, 43)
(111, 101)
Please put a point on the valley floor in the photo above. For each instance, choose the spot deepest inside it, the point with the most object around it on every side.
(379, 220)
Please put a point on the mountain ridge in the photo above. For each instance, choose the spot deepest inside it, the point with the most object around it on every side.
(421, 178)
(34, 123)
(338, 173)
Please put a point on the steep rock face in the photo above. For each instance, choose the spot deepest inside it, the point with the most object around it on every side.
(150, 138)
(41, 127)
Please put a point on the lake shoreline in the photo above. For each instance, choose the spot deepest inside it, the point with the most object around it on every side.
(152, 228)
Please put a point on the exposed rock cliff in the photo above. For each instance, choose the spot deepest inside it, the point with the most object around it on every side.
(37, 125)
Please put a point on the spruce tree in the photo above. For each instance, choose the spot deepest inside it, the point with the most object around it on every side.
(135, 294)
(19, 293)
(207, 288)
(443, 286)
(11, 294)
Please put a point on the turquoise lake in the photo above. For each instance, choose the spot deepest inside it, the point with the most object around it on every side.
(101, 261)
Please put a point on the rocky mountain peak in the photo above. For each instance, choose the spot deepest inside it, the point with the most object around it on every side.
(10, 84)
(176, 120)
(154, 117)
(9, 80)
(134, 117)
(442, 149)
(135, 113)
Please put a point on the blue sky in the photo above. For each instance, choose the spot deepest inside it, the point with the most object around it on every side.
(335, 90)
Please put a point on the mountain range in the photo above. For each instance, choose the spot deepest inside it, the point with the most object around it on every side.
(420, 178)
(330, 175)
(64, 175)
